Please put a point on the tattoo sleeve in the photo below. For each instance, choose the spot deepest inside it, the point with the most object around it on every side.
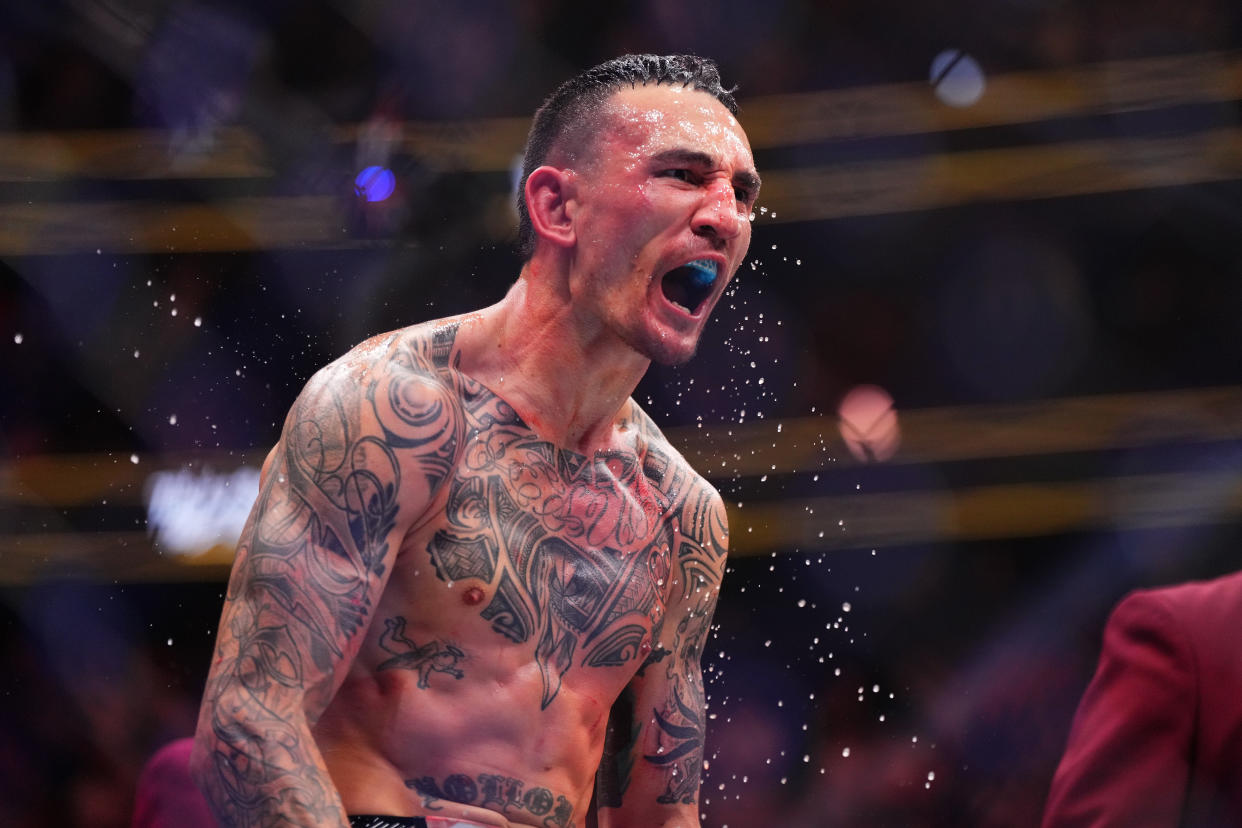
(653, 754)
(356, 463)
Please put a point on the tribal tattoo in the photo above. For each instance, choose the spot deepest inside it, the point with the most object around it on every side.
(576, 549)
(680, 725)
(308, 571)
(674, 744)
(582, 556)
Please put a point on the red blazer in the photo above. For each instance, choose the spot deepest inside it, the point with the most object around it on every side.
(1157, 739)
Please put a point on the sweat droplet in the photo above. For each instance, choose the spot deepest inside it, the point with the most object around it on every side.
(133, 458)
(17, 338)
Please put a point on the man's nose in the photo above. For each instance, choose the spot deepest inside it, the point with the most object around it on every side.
(718, 214)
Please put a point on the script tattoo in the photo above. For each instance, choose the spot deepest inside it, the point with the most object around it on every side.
(500, 793)
(308, 568)
(577, 550)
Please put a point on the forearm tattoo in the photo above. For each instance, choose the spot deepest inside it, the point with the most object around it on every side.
(504, 794)
(307, 571)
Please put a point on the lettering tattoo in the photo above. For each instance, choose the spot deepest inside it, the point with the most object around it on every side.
(429, 658)
(503, 794)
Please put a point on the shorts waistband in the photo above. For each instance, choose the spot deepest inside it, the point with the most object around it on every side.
(380, 821)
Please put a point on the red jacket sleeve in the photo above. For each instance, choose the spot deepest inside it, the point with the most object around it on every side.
(1128, 756)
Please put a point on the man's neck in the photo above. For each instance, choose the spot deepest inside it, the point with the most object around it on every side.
(569, 380)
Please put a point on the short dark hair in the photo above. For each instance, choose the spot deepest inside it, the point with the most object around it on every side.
(579, 98)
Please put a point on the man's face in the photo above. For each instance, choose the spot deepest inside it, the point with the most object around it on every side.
(663, 217)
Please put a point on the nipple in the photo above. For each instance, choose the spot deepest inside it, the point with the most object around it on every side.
(472, 596)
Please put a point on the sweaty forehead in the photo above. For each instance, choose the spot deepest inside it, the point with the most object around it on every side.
(648, 119)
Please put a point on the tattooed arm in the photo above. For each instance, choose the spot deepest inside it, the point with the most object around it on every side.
(653, 755)
(362, 452)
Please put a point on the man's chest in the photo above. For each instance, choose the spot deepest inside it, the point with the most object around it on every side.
(569, 553)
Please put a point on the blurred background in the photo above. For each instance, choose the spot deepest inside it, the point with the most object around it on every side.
(978, 379)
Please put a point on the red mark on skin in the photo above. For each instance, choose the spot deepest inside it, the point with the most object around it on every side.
(472, 596)
(644, 649)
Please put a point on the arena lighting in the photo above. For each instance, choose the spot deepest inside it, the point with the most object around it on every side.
(189, 512)
(957, 78)
(375, 183)
(868, 423)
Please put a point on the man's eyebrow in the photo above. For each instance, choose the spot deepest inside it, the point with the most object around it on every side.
(684, 156)
(745, 178)
(749, 180)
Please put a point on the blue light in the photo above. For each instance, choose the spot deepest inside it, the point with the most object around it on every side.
(375, 183)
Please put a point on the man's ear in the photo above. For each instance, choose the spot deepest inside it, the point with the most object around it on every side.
(550, 202)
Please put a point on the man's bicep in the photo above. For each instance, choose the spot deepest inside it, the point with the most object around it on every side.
(338, 494)
(286, 637)
(308, 570)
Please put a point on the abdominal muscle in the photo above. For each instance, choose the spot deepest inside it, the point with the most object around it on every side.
(476, 747)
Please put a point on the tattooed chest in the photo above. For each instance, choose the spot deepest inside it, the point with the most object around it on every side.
(574, 550)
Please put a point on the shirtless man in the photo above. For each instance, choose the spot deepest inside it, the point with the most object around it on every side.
(476, 573)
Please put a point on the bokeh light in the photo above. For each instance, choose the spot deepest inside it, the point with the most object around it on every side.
(957, 78)
(868, 423)
(375, 184)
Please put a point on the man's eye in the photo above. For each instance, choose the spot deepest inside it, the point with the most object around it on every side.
(680, 174)
(742, 194)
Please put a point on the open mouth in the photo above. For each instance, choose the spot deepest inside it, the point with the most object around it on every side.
(689, 286)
